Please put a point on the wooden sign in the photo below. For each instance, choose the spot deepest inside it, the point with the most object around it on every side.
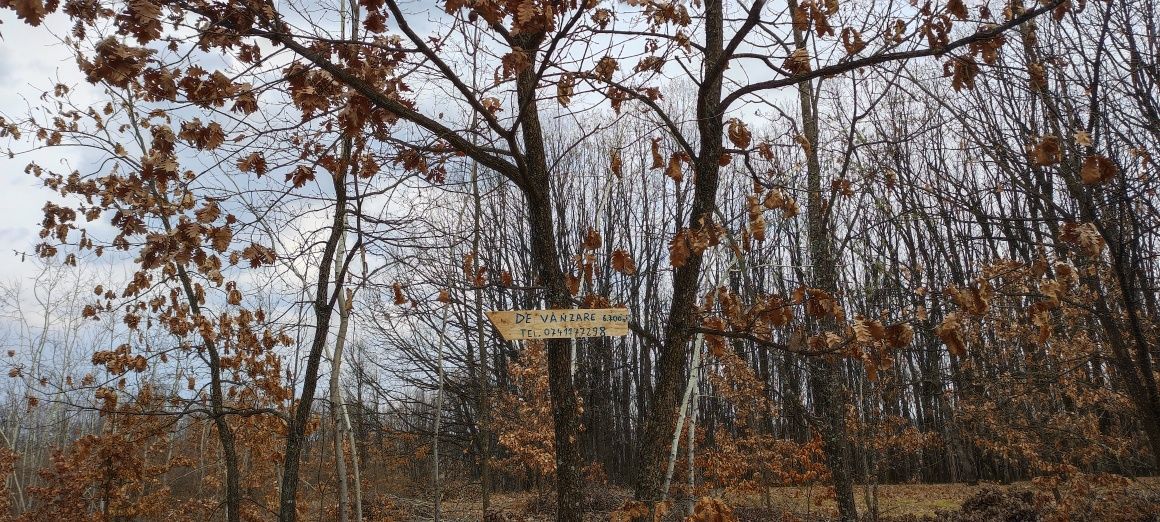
(556, 324)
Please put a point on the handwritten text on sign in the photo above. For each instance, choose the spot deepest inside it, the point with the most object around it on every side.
(548, 324)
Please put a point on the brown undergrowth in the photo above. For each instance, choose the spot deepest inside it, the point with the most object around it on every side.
(1114, 500)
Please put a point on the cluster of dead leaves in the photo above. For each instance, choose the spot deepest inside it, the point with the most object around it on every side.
(739, 134)
(710, 509)
(659, 12)
(1098, 169)
(673, 167)
(809, 12)
(622, 262)
(688, 242)
(973, 300)
(523, 418)
(798, 62)
(1046, 151)
(776, 199)
(707, 509)
(1085, 236)
(31, 11)
(115, 63)
(875, 343)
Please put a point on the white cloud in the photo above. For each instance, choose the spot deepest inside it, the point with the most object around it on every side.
(31, 59)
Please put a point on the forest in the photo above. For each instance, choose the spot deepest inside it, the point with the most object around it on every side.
(874, 260)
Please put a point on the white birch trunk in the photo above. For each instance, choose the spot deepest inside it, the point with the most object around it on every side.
(681, 418)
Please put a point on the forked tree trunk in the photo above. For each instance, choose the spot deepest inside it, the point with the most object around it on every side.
(323, 306)
(662, 420)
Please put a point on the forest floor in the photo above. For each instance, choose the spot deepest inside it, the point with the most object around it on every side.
(1138, 500)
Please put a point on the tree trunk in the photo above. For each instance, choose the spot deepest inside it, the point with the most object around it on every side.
(484, 377)
(438, 417)
(323, 309)
(661, 422)
(826, 377)
(546, 266)
(686, 408)
(336, 402)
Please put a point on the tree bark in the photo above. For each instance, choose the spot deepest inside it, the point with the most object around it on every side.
(825, 375)
(546, 266)
(679, 329)
(323, 309)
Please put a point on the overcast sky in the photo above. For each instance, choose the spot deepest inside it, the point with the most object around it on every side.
(31, 60)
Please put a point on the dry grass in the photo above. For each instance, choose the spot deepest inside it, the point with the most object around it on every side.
(893, 500)
(897, 500)
(900, 501)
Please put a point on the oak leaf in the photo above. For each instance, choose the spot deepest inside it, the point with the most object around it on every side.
(899, 335)
(739, 134)
(1086, 236)
(565, 87)
(1037, 76)
(658, 161)
(592, 239)
(1098, 169)
(852, 41)
(208, 213)
(679, 249)
(491, 104)
(515, 62)
(957, 8)
(1046, 152)
(220, 238)
(255, 162)
(31, 11)
(673, 170)
(622, 262)
(948, 332)
(573, 284)
(605, 68)
(798, 62)
(962, 70)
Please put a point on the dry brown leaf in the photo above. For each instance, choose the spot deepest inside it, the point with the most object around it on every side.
(1098, 169)
(852, 41)
(949, 332)
(622, 262)
(798, 62)
(679, 249)
(739, 134)
(673, 170)
(1046, 152)
(592, 239)
(710, 509)
(564, 89)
